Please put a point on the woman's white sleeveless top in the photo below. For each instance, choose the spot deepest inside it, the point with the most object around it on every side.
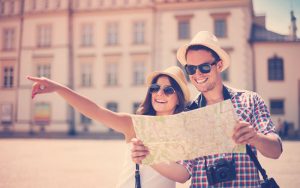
(149, 177)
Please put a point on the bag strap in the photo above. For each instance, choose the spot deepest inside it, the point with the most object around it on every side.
(256, 162)
(137, 176)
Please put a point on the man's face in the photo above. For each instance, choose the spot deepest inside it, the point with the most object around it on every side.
(204, 82)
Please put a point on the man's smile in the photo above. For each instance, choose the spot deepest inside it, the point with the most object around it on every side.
(200, 80)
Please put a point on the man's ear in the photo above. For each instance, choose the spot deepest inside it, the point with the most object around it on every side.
(220, 65)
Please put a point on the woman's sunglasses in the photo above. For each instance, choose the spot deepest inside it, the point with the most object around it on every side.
(203, 68)
(168, 90)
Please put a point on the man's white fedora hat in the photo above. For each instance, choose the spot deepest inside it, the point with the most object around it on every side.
(209, 40)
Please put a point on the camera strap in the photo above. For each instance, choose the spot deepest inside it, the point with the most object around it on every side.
(205, 161)
(137, 176)
(256, 162)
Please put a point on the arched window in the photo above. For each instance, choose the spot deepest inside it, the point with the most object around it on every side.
(275, 68)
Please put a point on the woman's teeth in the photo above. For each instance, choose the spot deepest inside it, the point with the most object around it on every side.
(160, 101)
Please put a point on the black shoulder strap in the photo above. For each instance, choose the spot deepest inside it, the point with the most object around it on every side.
(256, 162)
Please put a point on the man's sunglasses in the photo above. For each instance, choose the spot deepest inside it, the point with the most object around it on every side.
(168, 90)
(203, 68)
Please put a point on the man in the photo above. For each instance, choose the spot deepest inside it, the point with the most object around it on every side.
(204, 61)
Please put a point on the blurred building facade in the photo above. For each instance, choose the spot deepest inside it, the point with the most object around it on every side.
(105, 48)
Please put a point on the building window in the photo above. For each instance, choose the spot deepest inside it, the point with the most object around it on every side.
(43, 70)
(6, 115)
(139, 32)
(57, 4)
(46, 4)
(85, 120)
(2, 7)
(8, 76)
(88, 3)
(277, 106)
(220, 28)
(135, 106)
(33, 4)
(87, 35)
(44, 35)
(112, 74)
(12, 7)
(220, 24)
(184, 29)
(112, 106)
(275, 68)
(101, 2)
(139, 70)
(86, 75)
(183, 26)
(112, 34)
(76, 4)
(8, 39)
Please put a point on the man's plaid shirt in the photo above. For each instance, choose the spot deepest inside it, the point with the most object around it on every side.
(249, 107)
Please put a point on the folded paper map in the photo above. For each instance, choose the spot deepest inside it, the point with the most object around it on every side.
(188, 135)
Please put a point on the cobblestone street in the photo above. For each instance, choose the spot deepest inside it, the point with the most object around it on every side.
(77, 163)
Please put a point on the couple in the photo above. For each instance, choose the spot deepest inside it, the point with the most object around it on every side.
(168, 94)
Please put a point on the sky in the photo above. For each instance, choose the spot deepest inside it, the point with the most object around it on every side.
(278, 14)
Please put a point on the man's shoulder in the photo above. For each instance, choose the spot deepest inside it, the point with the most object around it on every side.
(235, 91)
(238, 95)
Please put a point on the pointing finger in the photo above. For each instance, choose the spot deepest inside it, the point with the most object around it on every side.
(35, 79)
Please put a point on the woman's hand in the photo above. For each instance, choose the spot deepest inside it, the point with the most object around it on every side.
(42, 85)
(138, 151)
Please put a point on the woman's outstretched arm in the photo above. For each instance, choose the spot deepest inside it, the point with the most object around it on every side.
(120, 122)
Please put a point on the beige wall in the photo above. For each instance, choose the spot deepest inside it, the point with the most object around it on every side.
(124, 54)
(9, 58)
(286, 89)
(240, 72)
(31, 56)
(158, 52)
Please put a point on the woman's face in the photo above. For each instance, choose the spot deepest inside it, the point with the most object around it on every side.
(164, 104)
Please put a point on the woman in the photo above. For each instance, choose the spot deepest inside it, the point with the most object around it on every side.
(167, 94)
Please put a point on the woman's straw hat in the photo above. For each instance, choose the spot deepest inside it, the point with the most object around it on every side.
(177, 74)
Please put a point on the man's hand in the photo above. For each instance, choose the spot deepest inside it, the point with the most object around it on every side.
(138, 151)
(244, 133)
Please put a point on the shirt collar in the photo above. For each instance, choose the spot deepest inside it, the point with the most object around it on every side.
(228, 93)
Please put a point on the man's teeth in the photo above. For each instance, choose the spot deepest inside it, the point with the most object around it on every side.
(200, 81)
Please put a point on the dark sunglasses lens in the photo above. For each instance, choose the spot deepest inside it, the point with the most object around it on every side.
(169, 90)
(190, 69)
(154, 88)
(205, 68)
